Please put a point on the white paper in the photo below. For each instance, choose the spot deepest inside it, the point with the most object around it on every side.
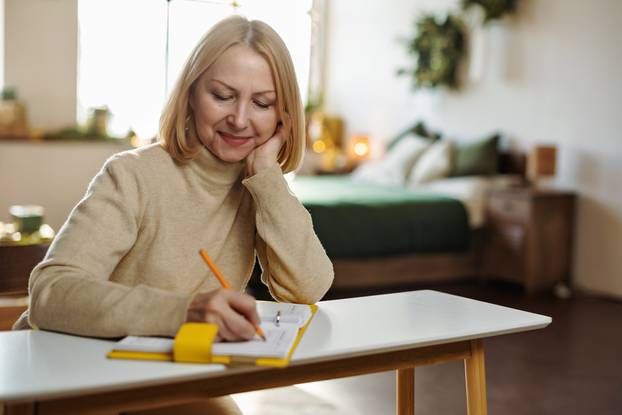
(298, 314)
(279, 341)
(145, 344)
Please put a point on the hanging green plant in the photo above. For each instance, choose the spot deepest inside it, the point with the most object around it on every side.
(437, 48)
(493, 9)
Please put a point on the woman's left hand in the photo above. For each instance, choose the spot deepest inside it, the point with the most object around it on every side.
(265, 155)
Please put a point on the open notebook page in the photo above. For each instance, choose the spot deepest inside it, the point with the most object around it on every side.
(279, 341)
(298, 314)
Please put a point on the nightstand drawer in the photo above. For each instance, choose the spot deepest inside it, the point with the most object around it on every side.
(515, 209)
(529, 236)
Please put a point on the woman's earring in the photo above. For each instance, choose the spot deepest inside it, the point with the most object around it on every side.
(187, 123)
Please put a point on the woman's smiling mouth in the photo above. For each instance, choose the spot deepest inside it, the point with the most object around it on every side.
(233, 140)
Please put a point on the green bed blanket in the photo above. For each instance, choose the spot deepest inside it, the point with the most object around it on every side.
(356, 220)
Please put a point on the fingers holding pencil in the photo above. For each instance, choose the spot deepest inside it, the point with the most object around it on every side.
(238, 305)
(235, 313)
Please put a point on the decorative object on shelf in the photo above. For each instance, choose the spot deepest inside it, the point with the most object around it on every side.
(317, 133)
(492, 9)
(27, 218)
(80, 134)
(26, 226)
(97, 124)
(438, 49)
(541, 163)
(96, 129)
(13, 120)
(325, 136)
(334, 127)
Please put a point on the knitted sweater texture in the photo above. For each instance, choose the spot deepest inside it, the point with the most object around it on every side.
(126, 261)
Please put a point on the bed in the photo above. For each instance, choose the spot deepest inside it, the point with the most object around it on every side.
(358, 220)
(387, 236)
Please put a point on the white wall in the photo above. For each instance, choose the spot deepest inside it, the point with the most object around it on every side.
(40, 60)
(2, 43)
(551, 75)
(363, 54)
(53, 175)
(40, 55)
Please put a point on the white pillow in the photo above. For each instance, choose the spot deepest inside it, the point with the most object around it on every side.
(434, 163)
(395, 166)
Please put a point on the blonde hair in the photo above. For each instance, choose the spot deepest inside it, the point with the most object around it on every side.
(177, 131)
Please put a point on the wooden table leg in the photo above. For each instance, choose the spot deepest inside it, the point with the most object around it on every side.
(475, 377)
(406, 391)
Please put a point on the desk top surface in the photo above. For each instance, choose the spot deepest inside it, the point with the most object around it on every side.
(39, 364)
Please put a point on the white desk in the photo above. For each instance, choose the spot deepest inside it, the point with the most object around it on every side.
(50, 373)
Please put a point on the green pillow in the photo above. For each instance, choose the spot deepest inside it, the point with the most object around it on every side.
(420, 129)
(478, 158)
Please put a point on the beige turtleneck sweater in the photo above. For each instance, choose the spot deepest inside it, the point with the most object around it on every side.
(126, 261)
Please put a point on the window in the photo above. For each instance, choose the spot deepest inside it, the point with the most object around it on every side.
(124, 62)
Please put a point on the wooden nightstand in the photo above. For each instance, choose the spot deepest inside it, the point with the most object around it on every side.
(529, 236)
(16, 263)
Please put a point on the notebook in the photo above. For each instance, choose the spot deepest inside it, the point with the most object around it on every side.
(283, 324)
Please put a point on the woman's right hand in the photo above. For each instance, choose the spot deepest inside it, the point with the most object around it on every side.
(235, 313)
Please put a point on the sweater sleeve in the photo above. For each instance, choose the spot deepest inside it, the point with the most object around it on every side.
(71, 290)
(294, 264)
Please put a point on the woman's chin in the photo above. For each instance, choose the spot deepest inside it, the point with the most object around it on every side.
(230, 155)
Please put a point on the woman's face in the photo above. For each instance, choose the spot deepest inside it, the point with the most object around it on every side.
(234, 104)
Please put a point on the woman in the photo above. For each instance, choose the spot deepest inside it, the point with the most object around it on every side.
(126, 261)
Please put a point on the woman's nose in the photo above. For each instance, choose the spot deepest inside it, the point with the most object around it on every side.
(238, 118)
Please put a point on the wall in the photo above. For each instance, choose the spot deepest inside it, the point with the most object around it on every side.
(53, 175)
(40, 55)
(551, 74)
(40, 59)
(2, 43)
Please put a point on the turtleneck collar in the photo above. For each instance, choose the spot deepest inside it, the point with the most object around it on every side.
(213, 170)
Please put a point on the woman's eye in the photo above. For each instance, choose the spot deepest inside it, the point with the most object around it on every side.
(264, 105)
(222, 97)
